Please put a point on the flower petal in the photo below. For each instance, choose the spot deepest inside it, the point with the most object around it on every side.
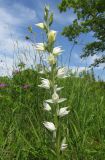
(50, 126)
(62, 100)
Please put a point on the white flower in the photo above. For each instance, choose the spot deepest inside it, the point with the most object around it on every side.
(57, 89)
(51, 59)
(45, 83)
(63, 145)
(61, 72)
(40, 25)
(63, 111)
(55, 97)
(50, 126)
(57, 101)
(57, 51)
(62, 100)
(49, 101)
(41, 72)
(40, 47)
(46, 106)
(52, 36)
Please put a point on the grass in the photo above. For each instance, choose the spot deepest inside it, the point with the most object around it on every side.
(22, 135)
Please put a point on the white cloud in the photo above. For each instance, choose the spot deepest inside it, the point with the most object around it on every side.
(10, 22)
(8, 19)
(25, 13)
(78, 69)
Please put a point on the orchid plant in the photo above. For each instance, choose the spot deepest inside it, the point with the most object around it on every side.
(53, 105)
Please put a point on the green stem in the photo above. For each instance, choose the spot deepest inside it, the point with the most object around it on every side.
(56, 119)
(58, 135)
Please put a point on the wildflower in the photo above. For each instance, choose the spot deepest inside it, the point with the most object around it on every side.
(55, 100)
(46, 106)
(41, 72)
(61, 72)
(51, 59)
(57, 51)
(40, 25)
(63, 111)
(46, 11)
(57, 89)
(62, 100)
(50, 126)
(3, 85)
(26, 86)
(40, 47)
(45, 83)
(55, 97)
(63, 145)
(52, 36)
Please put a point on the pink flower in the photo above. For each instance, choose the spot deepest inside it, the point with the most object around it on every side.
(3, 85)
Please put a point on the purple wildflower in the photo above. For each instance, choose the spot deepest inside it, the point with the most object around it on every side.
(26, 86)
(3, 85)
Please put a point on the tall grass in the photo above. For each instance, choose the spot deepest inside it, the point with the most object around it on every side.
(22, 135)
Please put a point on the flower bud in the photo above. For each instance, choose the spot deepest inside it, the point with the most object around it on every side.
(51, 59)
(50, 126)
(55, 97)
(63, 144)
(51, 36)
(57, 51)
(47, 106)
(40, 47)
(61, 72)
(45, 83)
(63, 112)
(40, 25)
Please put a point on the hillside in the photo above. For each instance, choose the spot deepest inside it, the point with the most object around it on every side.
(22, 135)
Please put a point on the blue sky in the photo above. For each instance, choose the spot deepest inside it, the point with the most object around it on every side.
(16, 16)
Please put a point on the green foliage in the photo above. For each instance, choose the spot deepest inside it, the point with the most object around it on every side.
(22, 135)
(90, 17)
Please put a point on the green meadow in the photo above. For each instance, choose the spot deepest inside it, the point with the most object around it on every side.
(22, 134)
